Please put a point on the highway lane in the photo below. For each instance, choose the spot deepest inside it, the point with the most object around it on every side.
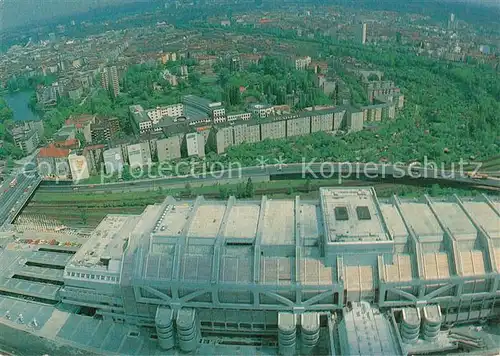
(312, 170)
(13, 198)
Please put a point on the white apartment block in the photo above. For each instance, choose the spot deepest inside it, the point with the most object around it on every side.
(195, 143)
(174, 111)
(261, 111)
(242, 116)
(302, 63)
(219, 115)
(139, 155)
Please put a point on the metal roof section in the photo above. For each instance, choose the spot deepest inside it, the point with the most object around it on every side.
(365, 331)
(313, 272)
(400, 270)
(422, 221)
(351, 215)
(455, 219)
(485, 216)
(436, 265)
(395, 223)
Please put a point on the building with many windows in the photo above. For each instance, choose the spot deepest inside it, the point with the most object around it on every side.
(215, 111)
(347, 273)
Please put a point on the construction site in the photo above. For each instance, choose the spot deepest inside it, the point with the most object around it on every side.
(348, 273)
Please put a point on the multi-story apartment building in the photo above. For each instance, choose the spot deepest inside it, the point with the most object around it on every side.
(140, 120)
(26, 138)
(247, 132)
(273, 129)
(298, 126)
(302, 63)
(53, 162)
(321, 121)
(224, 138)
(261, 110)
(78, 167)
(94, 156)
(113, 161)
(195, 143)
(169, 148)
(362, 33)
(139, 155)
(104, 129)
(339, 121)
(383, 90)
(355, 121)
(174, 111)
(236, 117)
(110, 80)
(49, 95)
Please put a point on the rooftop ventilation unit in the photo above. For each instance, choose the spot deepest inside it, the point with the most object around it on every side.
(341, 213)
(363, 213)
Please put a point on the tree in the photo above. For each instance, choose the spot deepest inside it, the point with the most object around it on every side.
(188, 189)
(249, 188)
(308, 185)
(240, 190)
(84, 216)
(223, 192)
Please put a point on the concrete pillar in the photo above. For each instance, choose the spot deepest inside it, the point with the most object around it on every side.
(165, 327)
(188, 330)
(309, 332)
(287, 334)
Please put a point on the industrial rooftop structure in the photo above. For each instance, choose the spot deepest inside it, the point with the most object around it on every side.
(345, 274)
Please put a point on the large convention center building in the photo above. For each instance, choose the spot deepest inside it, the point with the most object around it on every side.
(344, 274)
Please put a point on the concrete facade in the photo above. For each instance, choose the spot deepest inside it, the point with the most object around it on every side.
(298, 127)
(139, 155)
(113, 160)
(246, 133)
(195, 143)
(273, 130)
(355, 120)
(224, 138)
(79, 167)
(168, 148)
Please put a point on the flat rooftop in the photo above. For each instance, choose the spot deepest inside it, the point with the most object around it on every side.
(207, 220)
(455, 219)
(174, 219)
(422, 220)
(351, 215)
(310, 216)
(242, 221)
(279, 220)
(106, 241)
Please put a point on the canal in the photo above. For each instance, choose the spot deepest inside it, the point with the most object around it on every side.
(18, 102)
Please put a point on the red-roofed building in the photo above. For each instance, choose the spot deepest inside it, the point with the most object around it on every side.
(53, 161)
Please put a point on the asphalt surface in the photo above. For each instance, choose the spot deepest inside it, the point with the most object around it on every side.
(12, 199)
(313, 171)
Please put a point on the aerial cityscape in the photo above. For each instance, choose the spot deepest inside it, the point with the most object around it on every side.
(249, 177)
